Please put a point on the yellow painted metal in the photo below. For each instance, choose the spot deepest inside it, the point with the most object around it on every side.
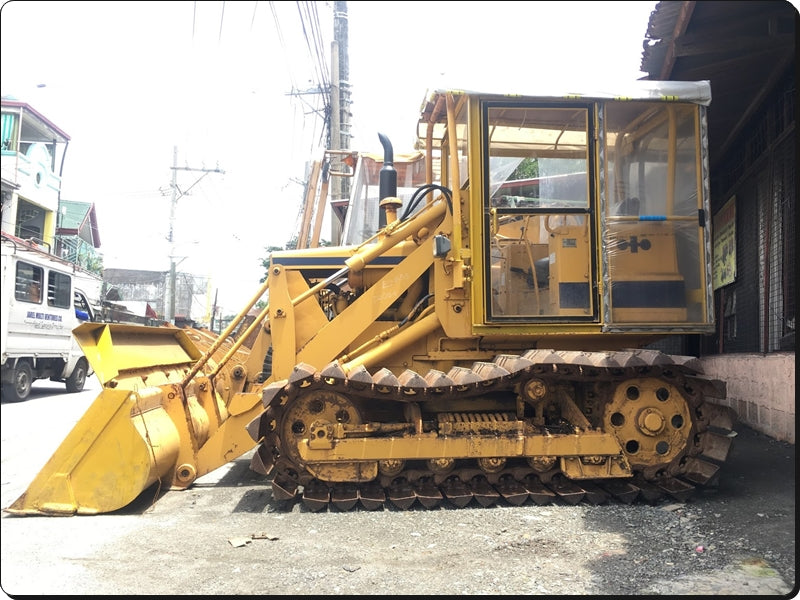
(223, 336)
(231, 439)
(105, 462)
(430, 446)
(334, 337)
(399, 342)
(651, 420)
(115, 350)
(292, 323)
(576, 467)
(661, 263)
(401, 231)
(569, 244)
(145, 426)
(176, 403)
(455, 187)
(350, 472)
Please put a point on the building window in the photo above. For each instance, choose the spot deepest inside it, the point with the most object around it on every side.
(9, 135)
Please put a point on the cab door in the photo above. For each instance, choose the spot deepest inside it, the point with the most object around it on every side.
(538, 212)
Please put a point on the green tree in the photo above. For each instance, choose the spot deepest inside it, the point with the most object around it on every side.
(527, 169)
(94, 263)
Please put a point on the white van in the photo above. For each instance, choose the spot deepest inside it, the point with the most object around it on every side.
(43, 299)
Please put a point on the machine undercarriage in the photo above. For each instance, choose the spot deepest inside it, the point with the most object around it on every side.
(543, 425)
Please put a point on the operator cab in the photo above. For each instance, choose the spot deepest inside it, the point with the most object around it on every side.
(583, 209)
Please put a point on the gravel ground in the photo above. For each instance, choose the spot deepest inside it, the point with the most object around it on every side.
(226, 535)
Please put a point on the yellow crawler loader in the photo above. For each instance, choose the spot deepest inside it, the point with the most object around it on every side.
(493, 326)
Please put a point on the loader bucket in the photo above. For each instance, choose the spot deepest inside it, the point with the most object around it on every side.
(104, 463)
(135, 431)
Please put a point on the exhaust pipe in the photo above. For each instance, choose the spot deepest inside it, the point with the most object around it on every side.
(387, 185)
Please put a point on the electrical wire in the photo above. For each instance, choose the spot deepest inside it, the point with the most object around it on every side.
(221, 19)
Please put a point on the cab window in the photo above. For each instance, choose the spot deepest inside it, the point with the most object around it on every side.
(28, 283)
(59, 290)
(537, 209)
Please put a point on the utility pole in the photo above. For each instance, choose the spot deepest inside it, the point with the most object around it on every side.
(340, 35)
(169, 305)
(340, 92)
(337, 120)
(340, 102)
(336, 116)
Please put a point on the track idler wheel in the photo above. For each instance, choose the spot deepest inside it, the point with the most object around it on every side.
(651, 420)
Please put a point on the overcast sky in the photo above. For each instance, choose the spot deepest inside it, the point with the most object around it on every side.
(128, 81)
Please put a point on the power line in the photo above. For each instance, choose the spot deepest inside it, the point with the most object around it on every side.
(221, 19)
(282, 43)
(170, 305)
(309, 20)
(253, 20)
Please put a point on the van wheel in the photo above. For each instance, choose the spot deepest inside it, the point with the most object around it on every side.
(77, 379)
(20, 388)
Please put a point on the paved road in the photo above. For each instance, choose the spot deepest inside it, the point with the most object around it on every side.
(201, 541)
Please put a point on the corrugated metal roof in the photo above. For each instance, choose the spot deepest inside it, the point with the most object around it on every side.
(41, 125)
(74, 213)
(76, 217)
(743, 48)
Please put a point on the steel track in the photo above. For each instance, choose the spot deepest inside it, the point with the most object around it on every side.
(517, 483)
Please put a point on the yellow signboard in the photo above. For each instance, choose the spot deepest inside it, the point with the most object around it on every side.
(724, 271)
